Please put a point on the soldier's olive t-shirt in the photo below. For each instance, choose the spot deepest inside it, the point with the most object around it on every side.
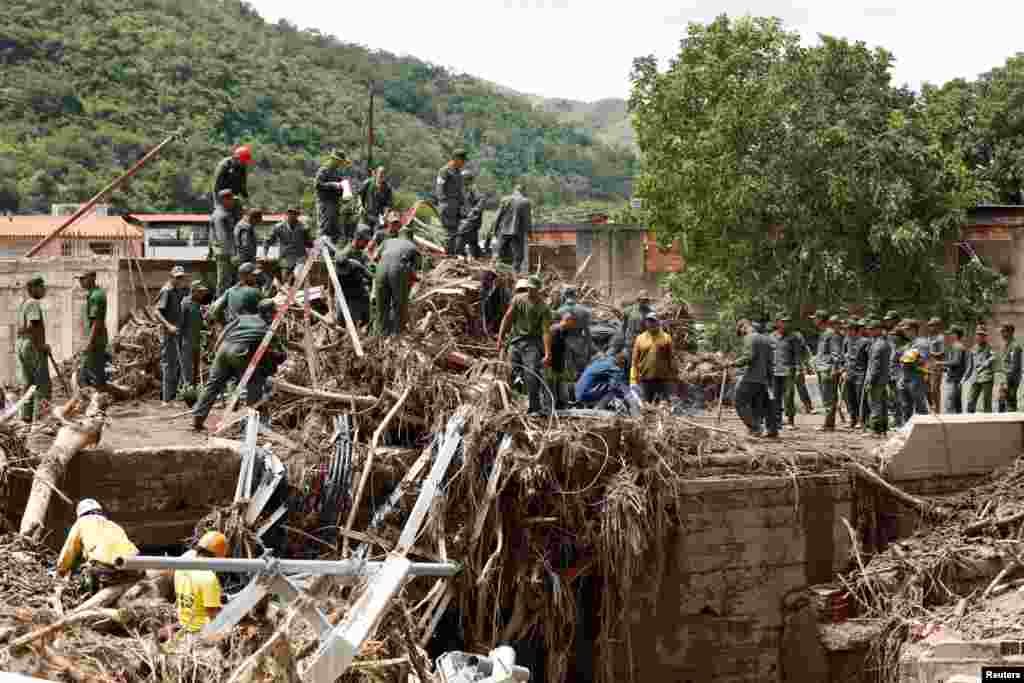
(529, 319)
(28, 312)
(96, 309)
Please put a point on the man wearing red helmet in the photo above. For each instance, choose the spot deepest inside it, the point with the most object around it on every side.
(231, 175)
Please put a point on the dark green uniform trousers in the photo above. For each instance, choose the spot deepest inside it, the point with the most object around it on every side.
(982, 391)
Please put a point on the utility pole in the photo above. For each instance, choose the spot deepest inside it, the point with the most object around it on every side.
(369, 134)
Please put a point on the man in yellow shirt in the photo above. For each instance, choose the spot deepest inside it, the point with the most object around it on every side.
(197, 591)
(98, 542)
(653, 368)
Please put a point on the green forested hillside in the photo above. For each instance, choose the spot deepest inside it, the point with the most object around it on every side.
(86, 86)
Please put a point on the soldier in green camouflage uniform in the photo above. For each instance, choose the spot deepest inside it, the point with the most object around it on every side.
(329, 184)
(400, 259)
(451, 197)
(828, 365)
(1011, 369)
(354, 276)
(527, 328)
(96, 354)
(785, 366)
(876, 379)
(222, 241)
(32, 353)
(982, 373)
(240, 340)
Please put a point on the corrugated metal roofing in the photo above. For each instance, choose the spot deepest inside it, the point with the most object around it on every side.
(87, 227)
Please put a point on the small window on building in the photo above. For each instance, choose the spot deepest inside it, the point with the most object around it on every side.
(66, 248)
(102, 248)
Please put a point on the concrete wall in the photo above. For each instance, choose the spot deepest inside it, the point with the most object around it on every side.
(617, 263)
(717, 612)
(63, 307)
(157, 495)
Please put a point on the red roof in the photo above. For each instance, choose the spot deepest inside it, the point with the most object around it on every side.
(88, 227)
(192, 217)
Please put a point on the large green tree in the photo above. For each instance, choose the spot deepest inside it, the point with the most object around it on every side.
(795, 174)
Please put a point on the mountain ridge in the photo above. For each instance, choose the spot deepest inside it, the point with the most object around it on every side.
(82, 99)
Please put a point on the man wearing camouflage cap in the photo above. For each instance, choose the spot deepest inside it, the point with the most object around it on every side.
(526, 327)
(451, 197)
(828, 364)
(1010, 362)
(238, 345)
(876, 378)
(473, 216)
(31, 352)
(190, 331)
(168, 312)
(512, 227)
(981, 373)
(400, 260)
(354, 275)
(954, 366)
(332, 185)
(786, 363)
(858, 350)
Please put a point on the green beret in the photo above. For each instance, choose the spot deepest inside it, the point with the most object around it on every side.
(36, 280)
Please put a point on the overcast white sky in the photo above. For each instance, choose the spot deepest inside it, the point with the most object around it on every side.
(583, 49)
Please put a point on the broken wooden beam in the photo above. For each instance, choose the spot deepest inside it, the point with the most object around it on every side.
(72, 438)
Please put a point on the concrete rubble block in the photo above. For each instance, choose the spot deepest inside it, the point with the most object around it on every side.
(953, 445)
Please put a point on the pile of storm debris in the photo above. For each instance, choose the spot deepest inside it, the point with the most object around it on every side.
(371, 433)
(960, 577)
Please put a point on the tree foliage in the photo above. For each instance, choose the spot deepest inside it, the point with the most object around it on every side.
(86, 86)
(798, 174)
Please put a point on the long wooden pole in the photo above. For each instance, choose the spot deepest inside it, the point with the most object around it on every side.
(99, 196)
(342, 304)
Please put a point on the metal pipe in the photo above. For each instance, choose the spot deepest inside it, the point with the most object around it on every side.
(102, 193)
(255, 566)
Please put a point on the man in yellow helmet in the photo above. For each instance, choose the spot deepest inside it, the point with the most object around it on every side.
(197, 591)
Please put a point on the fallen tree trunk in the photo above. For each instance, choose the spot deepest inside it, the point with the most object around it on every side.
(72, 437)
(347, 399)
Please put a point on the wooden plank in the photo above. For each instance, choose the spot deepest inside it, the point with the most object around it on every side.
(342, 304)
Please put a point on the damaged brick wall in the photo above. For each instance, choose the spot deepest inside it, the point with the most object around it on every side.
(717, 611)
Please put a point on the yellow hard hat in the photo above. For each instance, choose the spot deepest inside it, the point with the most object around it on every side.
(215, 543)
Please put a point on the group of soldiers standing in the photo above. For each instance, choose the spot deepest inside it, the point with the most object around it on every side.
(873, 367)
(32, 352)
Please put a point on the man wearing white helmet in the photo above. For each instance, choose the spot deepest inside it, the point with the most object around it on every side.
(98, 542)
